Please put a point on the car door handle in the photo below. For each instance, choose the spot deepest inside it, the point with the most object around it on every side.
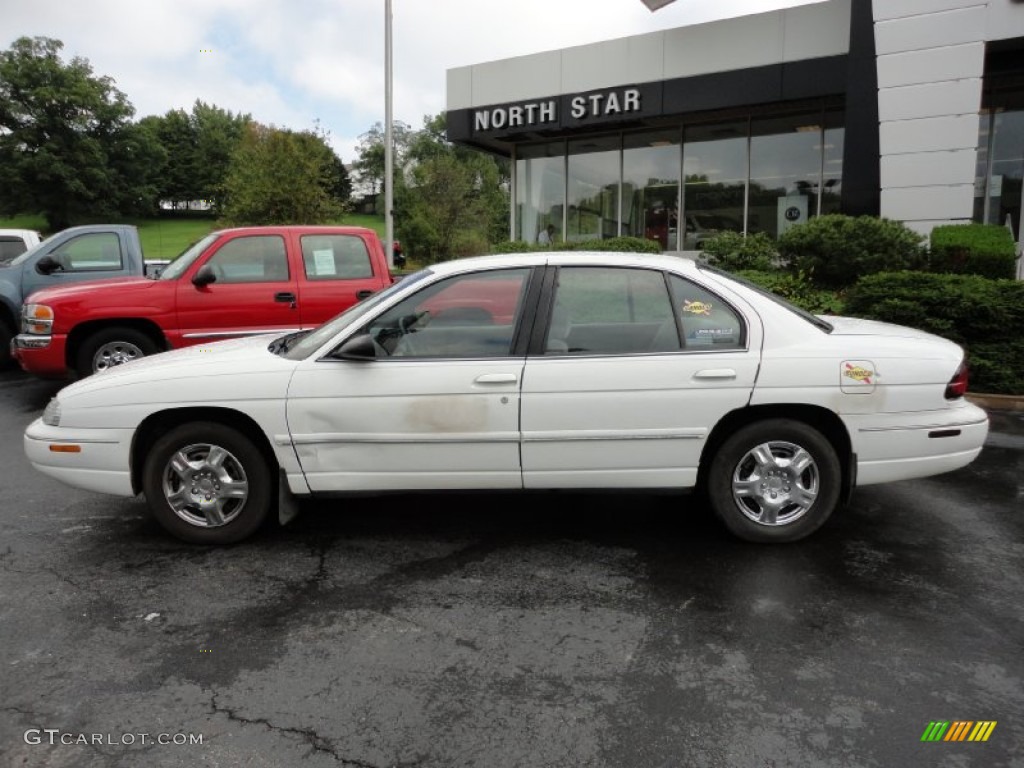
(363, 294)
(715, 373)
(496, 378)
(285, 297)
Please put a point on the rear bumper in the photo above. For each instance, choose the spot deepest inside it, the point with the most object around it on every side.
(902, 446)
(41, 355)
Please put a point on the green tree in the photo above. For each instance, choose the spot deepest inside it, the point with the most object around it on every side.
(278, 176)
(218, 133)
(369, 166)
(339, 183)
(198, 146)
(449, 201)
(178, 171)
(68, 148)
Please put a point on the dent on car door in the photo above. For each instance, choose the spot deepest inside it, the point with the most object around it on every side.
(635, 368)
(439, 405)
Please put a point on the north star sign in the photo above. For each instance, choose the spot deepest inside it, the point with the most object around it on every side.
(545, 112)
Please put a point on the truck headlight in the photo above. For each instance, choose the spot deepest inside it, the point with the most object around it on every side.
(36, 319)
(51, 416)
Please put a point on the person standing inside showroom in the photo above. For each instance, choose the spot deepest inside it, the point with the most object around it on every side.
(547, 235)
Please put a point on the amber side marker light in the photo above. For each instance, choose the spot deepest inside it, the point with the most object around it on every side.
(66, 448)
(957, 386)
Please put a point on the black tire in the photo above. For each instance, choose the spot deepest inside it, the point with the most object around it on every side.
(242, 464)
(6, 334)
(774, 501)
(123, 344)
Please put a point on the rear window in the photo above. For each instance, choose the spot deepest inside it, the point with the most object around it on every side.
(11, 247)
(814, 320)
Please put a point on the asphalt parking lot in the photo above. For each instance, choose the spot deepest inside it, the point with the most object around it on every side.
(534, 630)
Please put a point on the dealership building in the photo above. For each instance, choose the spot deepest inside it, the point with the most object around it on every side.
(908, 109)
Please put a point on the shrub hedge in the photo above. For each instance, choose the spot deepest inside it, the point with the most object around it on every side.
(977, 249)
(983, 315)
(733, 252)
(835, 250)
(796, 289)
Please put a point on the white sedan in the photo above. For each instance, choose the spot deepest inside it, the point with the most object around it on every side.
(528, 371)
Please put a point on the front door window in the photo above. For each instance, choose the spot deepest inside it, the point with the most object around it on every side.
(466, 316)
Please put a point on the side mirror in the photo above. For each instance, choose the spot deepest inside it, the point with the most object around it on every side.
(360, 348)
(47, 265)
(204, 276)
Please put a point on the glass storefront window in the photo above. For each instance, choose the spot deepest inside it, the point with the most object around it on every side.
(757, 174)
(715, 181)
(1000, 177)
(832, 163)
(785, 171)
(540, 190)
(593, 189)
(650, 187)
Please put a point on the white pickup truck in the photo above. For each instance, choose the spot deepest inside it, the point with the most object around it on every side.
(14, 242)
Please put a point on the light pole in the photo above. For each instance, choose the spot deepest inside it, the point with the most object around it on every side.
(389, 224)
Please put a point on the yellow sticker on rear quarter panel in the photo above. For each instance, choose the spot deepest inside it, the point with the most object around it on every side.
(857, 377)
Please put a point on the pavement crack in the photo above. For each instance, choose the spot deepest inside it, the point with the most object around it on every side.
(317, 744)
(320, 550)
(61, 577)
(26, 712)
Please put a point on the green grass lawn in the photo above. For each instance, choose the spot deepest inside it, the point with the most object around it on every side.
(166, 238)
(371, 221)
(23, 221)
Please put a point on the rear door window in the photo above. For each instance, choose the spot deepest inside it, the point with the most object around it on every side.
(706, 321)
(336, 257)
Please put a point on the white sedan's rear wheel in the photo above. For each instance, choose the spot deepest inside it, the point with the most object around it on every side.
(207, 484)
(776, 480)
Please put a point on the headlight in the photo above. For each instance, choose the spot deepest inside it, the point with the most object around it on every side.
(51, 416)
(37, 319)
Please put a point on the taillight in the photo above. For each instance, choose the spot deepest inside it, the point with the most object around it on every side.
(958, 384)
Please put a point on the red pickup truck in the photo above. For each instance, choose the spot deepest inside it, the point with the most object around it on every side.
(234, 282)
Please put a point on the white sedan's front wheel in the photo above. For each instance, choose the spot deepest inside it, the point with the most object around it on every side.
(776, 480)
(207, 483)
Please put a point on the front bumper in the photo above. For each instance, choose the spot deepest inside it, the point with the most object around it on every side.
(41, 355)
(101, 462)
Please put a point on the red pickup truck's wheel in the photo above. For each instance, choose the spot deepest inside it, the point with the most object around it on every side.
(110, 347)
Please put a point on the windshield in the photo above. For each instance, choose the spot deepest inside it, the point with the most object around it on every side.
(312, 341)
(803, 313)
(176, 268)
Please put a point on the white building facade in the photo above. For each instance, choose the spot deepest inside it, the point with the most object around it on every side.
(909, 109)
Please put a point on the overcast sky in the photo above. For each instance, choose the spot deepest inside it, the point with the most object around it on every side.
(290, 63)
